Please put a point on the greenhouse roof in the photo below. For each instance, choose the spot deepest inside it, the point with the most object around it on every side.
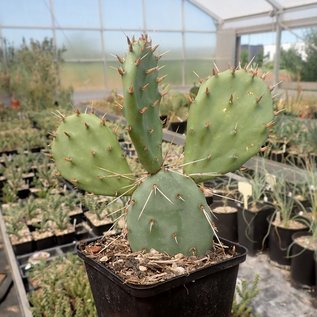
(260, 15)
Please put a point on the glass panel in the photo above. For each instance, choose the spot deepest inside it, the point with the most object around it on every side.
(123, 14)
(83, 76)
(168, 41)
(163, 15)
(81, 13)
(196, 20)
(201, 67)
(25, 13)
(15, 36)
(116, 42)
(80, 44)
(200, 45)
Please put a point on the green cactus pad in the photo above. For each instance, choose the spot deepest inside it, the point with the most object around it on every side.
(228, 123)
(87, 153)
(169, 214)
(141, 102)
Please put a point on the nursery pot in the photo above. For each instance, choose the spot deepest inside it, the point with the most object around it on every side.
(226, 222)
(280, 240)
(206, 292)
(179, 127)
(302, 263)
(253, 227)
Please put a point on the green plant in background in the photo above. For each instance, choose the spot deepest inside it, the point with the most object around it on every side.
(244, 295)
(33, 74)
(62, 289)
(228, 123)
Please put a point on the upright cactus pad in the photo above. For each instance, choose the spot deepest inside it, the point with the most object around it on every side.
(228, 123)
(170, 214)
(87, 153)
(139, 73)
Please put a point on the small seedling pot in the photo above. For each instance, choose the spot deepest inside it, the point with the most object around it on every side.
(206, 292)
(179, 127)
(253, 227)
(302, 263)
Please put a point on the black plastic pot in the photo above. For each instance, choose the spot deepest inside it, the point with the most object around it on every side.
(280, 240)
(206, 292)
(65, 238)
(45, 243)
(179, 127)
(302, 264)
(226, 223)
(23, 248)
(253, 227)
(100, 229)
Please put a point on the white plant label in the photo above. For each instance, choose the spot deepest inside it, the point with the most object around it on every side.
(271, 180)
(246, 190)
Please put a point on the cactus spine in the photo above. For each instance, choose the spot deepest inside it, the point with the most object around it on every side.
(227, 124)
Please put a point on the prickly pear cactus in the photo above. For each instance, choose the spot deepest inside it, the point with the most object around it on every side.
(228, 123)
(170, 214)
(87, 153)
(139, 73)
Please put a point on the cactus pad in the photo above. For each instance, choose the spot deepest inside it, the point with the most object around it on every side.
(141, 102)
(87, 153)
(228, 123)
(169, 213)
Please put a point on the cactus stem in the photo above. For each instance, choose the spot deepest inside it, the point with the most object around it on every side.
(270, 124)
(150, 131)
(151, 70)
(159, 79)
(145, 149)
(137, 61)
(143, 110)
(145, 86)
(161, 67)
(235, 156)
(87, 125)
(175, 237)
(131, 90)
(115, 174)
(74, 180)
(258, 99)
(250, 63)
(146, 202)
(129, 128)
(156, 188)
(235, 129)
(121, 71)
(179, 196)
(67, 134)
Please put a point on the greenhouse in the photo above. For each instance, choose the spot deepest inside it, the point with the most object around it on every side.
(158, 158)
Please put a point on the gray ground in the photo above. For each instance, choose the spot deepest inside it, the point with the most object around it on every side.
(277, 297)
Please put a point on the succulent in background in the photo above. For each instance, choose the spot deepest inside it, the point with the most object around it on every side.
(228, 123)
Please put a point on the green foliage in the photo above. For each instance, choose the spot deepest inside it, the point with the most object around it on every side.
(244, 295)
(291, 60)
(31, 74)
(310, 65)
(62, 289)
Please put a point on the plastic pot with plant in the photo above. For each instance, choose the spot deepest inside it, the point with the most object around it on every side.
(167, 212)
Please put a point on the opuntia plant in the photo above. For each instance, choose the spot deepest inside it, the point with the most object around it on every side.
(228, 123)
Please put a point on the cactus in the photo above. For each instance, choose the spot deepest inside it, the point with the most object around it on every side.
(228, 123)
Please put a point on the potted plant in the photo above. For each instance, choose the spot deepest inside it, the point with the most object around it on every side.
(252, 218)
(304, 246)
(228, 123)
(283, 223)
